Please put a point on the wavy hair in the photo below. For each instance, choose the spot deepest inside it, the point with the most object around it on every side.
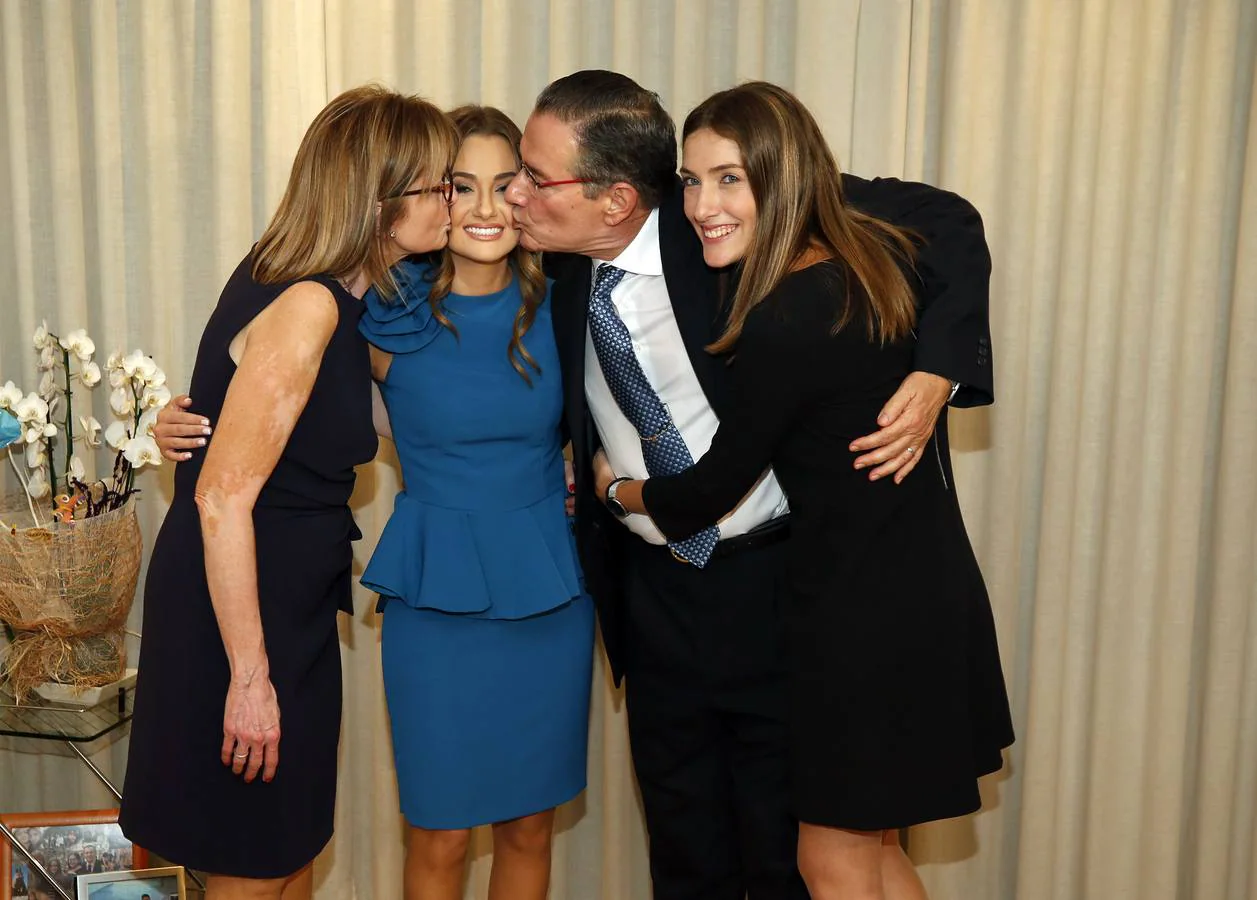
(800, 208)
(488, 121)
(358, 155)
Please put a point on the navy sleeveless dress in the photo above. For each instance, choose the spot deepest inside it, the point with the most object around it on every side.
(487, 635)
(179, 800)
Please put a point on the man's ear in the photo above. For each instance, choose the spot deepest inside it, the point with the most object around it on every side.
(622, 200)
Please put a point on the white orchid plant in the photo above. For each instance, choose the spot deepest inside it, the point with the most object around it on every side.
(44, 423)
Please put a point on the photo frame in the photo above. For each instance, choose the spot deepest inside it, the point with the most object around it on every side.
(166, 883)
(64, 842)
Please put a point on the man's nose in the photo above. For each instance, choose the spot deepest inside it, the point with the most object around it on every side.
(515, 193)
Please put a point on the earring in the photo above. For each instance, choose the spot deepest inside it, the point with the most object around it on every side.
(392, 234)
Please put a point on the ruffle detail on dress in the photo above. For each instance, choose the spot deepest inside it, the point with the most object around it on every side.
(405, 322)
(498, 564)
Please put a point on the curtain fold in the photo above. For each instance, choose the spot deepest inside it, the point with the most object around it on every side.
(1110, 493)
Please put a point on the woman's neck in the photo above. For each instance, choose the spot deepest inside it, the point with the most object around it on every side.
(476, 279)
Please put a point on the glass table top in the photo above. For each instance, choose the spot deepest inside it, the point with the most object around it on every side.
(38, 718)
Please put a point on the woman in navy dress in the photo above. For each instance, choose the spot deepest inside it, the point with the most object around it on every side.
(898, 702)
(253, 559)
(487, 637)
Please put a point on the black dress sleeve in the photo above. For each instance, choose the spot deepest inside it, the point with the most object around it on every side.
(954, 265)
(772, 383)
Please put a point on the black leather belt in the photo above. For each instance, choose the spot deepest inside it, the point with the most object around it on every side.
(769, 533)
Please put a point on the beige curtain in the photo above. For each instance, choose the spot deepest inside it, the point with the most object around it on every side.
(1112, 149)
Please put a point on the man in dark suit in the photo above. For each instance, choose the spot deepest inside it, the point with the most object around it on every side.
(699, 647)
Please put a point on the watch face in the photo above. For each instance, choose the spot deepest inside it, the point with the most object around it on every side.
(617, 508)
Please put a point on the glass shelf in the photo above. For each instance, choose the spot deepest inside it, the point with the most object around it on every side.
(37, 718)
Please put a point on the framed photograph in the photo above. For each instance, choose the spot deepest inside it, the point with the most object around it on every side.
(141, 884)
(67, 844)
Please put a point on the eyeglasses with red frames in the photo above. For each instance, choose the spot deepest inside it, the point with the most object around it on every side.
(445, 189)
(536, 184)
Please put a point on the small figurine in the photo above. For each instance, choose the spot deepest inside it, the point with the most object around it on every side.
(66, 505)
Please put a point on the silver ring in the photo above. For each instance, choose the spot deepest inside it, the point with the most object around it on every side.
(244, 755)
(912, 450)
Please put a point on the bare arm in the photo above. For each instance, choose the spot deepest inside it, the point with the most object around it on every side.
(282, 353)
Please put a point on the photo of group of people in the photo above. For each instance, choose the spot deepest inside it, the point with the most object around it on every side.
(66, 851)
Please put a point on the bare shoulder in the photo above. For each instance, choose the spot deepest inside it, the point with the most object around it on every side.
(305, 310)
(306, 302)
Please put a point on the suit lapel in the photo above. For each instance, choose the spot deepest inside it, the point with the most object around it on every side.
(570, 313)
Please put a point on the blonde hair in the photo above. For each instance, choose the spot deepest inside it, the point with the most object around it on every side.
(358, 155)
(800, 210)
(488, 121)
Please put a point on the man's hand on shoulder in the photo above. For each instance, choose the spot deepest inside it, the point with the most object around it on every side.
(907, 422)
(179, 431)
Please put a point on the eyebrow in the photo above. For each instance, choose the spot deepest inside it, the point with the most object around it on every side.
(472, 175)
(723, 167)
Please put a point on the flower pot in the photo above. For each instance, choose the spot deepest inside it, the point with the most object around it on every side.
(66, 590)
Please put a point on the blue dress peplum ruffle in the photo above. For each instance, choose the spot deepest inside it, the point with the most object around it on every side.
(487, 637)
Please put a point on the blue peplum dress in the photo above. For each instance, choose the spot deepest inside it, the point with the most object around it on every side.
(487, 634)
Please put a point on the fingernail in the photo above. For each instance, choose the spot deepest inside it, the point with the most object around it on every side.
(859, 465)
(206, 429)
(185, 455)
(200, 442)
(882, 420)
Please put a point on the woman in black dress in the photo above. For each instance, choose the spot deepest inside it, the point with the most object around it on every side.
(253, 559)
(898, 698)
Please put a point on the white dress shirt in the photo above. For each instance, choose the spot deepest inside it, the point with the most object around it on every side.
(641, 299)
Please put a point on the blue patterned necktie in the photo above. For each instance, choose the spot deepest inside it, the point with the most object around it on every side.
(663, 449)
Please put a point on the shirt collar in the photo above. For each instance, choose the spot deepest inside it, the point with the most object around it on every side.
(641, 256)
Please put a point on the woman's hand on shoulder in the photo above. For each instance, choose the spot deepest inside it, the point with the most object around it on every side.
(178, 430)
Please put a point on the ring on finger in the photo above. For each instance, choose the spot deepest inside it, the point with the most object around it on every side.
(911, 450)
(244, 755)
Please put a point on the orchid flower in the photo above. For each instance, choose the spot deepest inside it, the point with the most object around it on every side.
(78, 343)
(142, 451)
(38, 486)
(91, 431)
(10, 395)
(117, 434)
(122, 401)
(154, 398)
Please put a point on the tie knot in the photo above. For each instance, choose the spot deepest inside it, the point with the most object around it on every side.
(608, 276)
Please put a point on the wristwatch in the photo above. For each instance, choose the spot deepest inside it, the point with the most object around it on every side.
(613, 504)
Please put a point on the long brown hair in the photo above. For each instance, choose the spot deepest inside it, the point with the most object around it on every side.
(800, 212)
(359, 154)
(491, 122)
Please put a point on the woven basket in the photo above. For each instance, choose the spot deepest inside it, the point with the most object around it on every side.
(66, 590)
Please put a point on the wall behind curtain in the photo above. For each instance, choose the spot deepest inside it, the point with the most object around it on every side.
(1109, 494)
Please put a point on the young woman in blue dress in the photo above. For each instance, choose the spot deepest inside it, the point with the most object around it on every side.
(487, 638)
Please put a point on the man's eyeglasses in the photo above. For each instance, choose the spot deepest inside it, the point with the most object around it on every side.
(445, 189)
(537, 185)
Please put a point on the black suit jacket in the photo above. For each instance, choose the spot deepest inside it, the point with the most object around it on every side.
(953, 340)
